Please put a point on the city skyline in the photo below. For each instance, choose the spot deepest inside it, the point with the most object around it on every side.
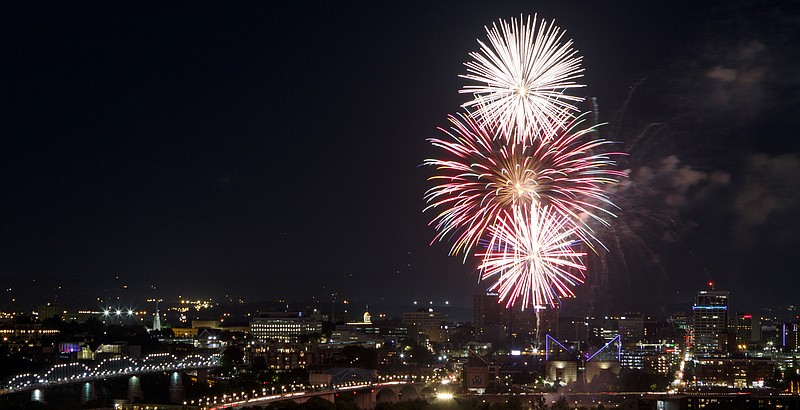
(273, 152)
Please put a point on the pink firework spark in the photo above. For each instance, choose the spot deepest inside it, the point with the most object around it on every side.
(483, 175)
(532, 258)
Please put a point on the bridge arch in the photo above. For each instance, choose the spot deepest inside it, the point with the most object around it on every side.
(196, 360)
(21, 381)
(65, 371)
(115, 365)
(408, 392)
(386, 395)
(157, 359)
(428, 393)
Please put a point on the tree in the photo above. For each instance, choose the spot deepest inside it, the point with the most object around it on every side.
(358, 356)
(416, 404)
(259, 364)
(538, 404)
(230, 358)
(345, 402)
(53, 322)
(318, 403)
(560, 404)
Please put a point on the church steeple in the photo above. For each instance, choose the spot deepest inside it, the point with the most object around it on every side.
(157, 319)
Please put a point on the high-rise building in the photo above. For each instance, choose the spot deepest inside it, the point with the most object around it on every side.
(747, 328)
(429, 325)
(603, 328)
(710, 321)
(573, 329)
(494, 322)
(491, 324)
(790, 337)
(545, 322)
(50, 310)
(631, 328)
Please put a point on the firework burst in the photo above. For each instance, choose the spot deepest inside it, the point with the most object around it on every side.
(532, 257)
(484, 175)
(522, 77)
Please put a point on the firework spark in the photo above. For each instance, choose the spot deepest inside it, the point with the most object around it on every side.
(485, 175)
(522, 77)
(532, 256)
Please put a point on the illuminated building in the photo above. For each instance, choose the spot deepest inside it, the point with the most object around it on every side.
(652, 330)
(287, 356)
(367, 320)
(25, 333)
(424, 318)
(573, 329)
(602, 369)
(533, 323)
(604, 328)
(562, 371)
(283, 327)
(489, 318)
(658, 363)
(631, 328)
(50, 310)
(789, 336)
(747, 328)
(710, 320)
(347, 334)
(184, 332)
(733, 372)
(428, 323)
(81, 316)
(726, 400)
(494, 322)
(479, 374)
(655, 357)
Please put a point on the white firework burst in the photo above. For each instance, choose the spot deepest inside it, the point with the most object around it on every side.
(522, 77)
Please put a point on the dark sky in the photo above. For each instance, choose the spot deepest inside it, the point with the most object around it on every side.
(272, 149)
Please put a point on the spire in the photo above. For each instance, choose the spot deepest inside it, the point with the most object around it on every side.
(157, 319)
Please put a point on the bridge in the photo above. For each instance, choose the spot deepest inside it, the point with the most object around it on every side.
(119, 366)
(365, 395)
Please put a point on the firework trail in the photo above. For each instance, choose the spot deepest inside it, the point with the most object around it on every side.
(522, 77)
(532, 255)
(483, 175)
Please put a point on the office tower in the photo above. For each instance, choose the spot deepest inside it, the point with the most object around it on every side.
(285, 327)
(491, 324)
(631, 328)
(710, 320)
(747, 328)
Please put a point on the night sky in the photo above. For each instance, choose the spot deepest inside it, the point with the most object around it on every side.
(272, 150)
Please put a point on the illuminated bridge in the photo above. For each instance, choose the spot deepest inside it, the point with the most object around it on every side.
(122, 366)
(366, 395)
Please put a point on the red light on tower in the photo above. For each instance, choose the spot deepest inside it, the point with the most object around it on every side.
(711, 285)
